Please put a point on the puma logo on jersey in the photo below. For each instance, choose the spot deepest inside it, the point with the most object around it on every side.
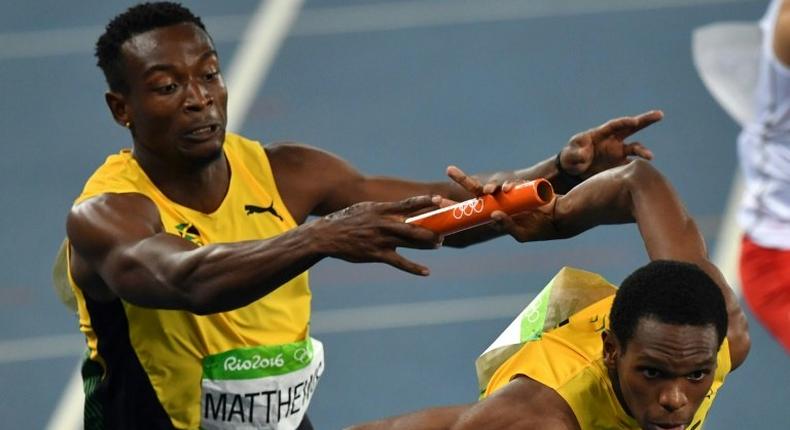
(252, 209)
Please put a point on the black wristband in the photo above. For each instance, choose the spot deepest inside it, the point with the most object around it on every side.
(564, 177)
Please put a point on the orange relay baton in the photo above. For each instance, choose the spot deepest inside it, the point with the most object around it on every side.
(477, 211)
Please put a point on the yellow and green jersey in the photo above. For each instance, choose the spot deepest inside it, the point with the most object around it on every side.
(569, 360)
(147, 367)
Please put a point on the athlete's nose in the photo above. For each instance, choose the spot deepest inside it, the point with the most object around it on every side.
(198, 97)
(672, 397)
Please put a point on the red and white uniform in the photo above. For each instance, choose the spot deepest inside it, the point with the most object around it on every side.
(764, 153)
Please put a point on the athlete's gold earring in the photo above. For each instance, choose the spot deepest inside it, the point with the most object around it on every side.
(127, 124)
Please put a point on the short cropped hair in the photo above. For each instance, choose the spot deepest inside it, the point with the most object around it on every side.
(136, 20)
(671, 292)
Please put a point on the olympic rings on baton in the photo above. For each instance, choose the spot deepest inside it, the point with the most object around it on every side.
(468, 208)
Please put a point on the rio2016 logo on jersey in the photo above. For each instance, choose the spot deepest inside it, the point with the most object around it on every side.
(190, 233)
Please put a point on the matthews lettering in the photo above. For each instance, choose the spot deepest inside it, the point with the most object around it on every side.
(270, 406)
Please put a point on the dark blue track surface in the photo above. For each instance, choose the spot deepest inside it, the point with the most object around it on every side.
(483, 95)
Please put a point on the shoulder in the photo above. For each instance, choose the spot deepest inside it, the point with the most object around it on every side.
(105, 217)
(110, 203)
(310, 179)
(295, 156)
(103, 226)
(308, 166)
(521, 404)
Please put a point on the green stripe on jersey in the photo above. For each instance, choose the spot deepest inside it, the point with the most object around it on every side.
(258, 361)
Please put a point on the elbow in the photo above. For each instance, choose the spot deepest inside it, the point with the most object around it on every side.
(642, 181)
(199, 301)
(739, 339)
(639, 172)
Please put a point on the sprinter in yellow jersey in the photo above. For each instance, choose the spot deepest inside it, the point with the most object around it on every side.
(651, 356)
(187, 254)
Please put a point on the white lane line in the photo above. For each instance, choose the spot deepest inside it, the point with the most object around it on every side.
(68, 412)
(254, 57)
(351, 19)
(728, 241)
(267, 29)
(376, 317)
(42, 347)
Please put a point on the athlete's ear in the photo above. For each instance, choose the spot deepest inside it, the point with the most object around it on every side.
(611, 349)
(118, 107)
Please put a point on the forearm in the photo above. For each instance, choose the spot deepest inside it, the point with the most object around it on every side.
(639, 192)
(675, 236)
(165, 271)
(220, 277)
(602, 199)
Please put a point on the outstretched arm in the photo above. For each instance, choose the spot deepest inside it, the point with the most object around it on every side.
(670, 233)
(523, 404)
(635, 192)
(120, 249)
(315, 182)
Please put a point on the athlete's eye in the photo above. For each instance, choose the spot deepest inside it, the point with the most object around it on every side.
(166, 89)
(697, 375)
(651, 373)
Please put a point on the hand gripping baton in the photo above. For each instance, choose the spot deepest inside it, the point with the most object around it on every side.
(475, 212)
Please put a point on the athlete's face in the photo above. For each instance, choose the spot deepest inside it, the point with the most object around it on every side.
(176, 103)
(665, 372)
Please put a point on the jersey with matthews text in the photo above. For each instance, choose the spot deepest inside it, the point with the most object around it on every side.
(154, 368)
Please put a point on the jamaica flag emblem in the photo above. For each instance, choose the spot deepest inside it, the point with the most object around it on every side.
(190, 233)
